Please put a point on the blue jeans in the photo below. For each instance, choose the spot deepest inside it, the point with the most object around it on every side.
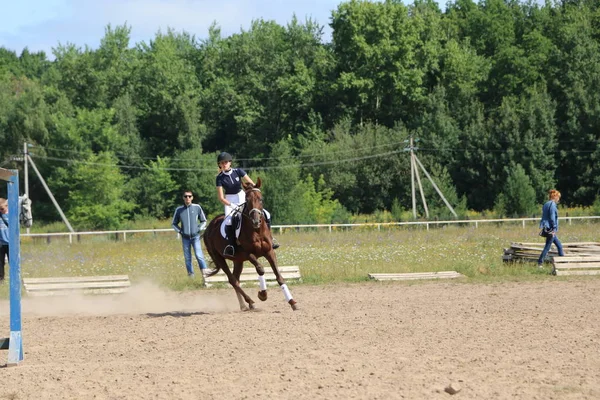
(187, 253)
(549, 241)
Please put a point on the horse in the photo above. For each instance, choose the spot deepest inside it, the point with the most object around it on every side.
(254, 241)
(25, 217)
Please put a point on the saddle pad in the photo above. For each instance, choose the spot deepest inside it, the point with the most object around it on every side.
(228, 221)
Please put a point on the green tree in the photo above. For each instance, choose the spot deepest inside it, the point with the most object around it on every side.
(154, 191)
(95, 190)
(167, 93)
(75, 75)
(125, 124)
(115, 63)
(574, 83)
(197, 171)
(279, 182)
(313, 206)
(264, 84)
(366, 165)
(518, 198)
(378, 77)
(25, 115)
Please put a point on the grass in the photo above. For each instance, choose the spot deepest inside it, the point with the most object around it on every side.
(344, 255)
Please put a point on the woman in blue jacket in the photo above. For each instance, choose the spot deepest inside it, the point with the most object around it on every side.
(549, 223)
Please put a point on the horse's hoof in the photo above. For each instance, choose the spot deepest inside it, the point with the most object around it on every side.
(262, 295)
(252, 307)
(294, 305)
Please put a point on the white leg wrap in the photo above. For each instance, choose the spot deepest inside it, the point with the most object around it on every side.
(262, 282)
(286, 292)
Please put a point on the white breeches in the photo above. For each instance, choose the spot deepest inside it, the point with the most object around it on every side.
(235, 200)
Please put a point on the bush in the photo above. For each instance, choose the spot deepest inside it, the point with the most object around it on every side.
(518, 197)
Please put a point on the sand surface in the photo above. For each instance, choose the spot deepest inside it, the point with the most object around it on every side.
(362, 341)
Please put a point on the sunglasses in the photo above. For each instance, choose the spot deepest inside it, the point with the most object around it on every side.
(187, 195)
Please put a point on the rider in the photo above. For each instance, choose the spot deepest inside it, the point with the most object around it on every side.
(231, 195)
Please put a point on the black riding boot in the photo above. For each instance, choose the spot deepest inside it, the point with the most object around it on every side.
(273, 240)
(230, 248)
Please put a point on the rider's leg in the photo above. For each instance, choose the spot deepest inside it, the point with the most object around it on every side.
(230, 248)
(268, 220)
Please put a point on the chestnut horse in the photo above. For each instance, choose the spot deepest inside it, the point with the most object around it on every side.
(254, 241)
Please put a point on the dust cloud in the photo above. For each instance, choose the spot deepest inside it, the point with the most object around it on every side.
(145, 297)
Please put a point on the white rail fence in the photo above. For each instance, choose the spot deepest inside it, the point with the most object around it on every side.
(330, 227)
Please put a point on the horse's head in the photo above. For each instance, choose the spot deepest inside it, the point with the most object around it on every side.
(254, 204)
(25, 217)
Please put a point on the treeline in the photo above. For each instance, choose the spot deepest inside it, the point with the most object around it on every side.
(503, 97)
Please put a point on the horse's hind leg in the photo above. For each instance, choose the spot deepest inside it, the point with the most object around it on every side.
(262, 283)
(234, 280)
(240, 298)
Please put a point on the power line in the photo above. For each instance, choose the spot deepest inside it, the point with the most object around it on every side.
(300, 156)
(289, 162)
(249, 168)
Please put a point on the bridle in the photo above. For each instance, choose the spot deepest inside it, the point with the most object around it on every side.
(24, 219)
(255, 214)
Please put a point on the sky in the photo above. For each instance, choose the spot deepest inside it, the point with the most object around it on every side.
(41, 25)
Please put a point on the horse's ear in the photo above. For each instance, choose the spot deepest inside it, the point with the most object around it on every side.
(258, 183)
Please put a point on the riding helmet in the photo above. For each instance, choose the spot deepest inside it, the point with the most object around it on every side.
(224, 157)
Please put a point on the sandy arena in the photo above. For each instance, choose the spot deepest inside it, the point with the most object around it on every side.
(363, 341)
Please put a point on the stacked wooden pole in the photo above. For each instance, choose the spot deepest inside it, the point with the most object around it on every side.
(581, 258)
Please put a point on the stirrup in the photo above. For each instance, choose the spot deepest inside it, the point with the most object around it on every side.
(229, 251)
(275, 243)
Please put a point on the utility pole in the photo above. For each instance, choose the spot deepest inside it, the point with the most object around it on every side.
(414, 173)
(411, 148)
(26, 170)
(60, 211)
(414, 158)
(415, 163)
(436, 188)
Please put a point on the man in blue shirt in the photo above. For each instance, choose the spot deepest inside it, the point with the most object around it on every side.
(189, 221)
(3, 236)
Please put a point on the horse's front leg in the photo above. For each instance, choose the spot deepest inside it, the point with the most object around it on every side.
(262, 282)
(272, 259)
(234, 280)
